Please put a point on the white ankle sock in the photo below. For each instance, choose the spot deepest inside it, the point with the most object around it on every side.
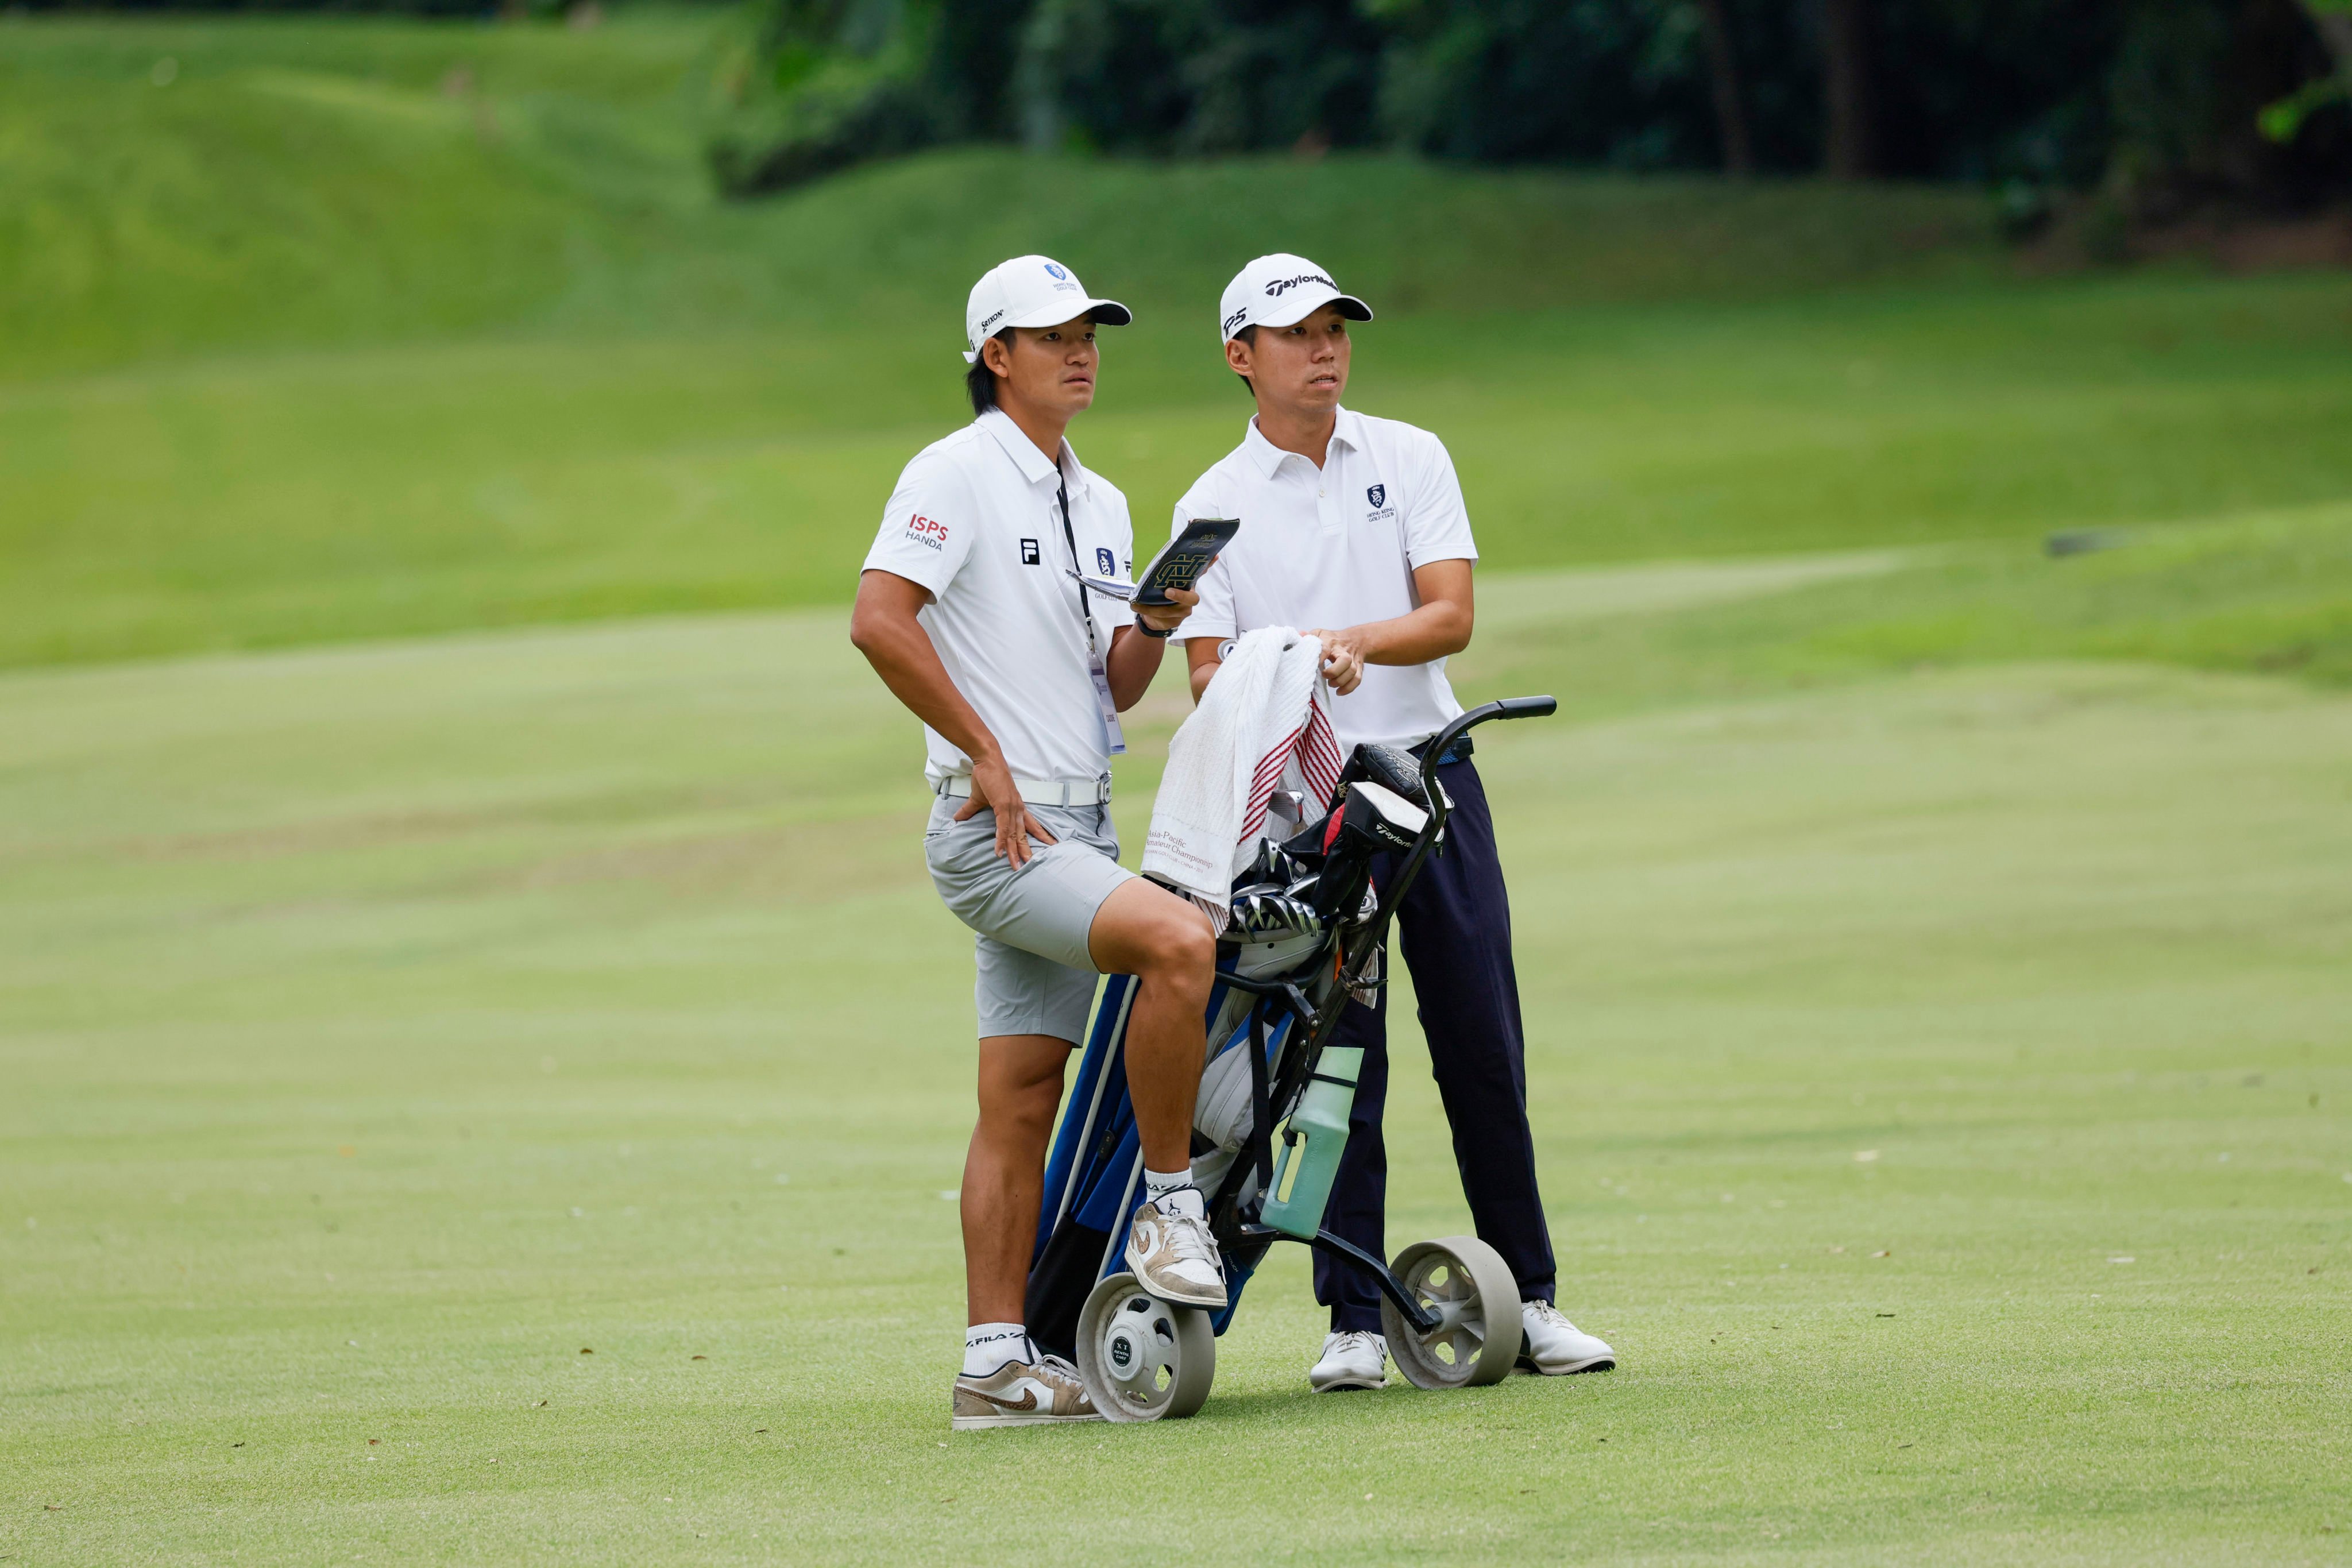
(987, 1346)
(1174, 1192)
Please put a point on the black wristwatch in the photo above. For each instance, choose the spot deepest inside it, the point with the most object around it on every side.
(1156, 637)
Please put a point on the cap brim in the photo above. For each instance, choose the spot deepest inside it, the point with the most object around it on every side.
(1106, 312)
(1054, 312)
(1353, 309)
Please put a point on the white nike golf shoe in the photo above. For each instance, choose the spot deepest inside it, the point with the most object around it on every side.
(1353, 1360)
(1555, 1347)
(1172, 1255)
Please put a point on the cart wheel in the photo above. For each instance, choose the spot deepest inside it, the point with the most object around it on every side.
(1142, 1359)
(1466, 1283)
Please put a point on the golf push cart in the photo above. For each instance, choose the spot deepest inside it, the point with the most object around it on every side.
(1305, 936)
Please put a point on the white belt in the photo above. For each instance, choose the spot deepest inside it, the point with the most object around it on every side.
(1037, 792)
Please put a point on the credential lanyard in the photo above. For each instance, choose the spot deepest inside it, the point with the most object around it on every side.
(1114, 737)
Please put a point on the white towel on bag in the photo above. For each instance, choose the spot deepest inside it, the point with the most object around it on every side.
(1267, 710)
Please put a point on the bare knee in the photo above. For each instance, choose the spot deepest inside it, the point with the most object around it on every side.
(1185, 951)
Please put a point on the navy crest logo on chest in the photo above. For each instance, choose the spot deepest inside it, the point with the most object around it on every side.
(1377, 495)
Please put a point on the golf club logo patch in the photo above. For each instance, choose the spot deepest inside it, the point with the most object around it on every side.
(1028, 553)
(1105, 561)
(1377, 495)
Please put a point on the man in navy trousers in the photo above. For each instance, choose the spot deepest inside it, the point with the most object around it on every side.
(1353, 530)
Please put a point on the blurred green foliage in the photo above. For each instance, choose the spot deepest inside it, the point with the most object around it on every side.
(2157, 98)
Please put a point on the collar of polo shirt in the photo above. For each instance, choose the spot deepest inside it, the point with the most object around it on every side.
(1034, 466)
(1346, 431)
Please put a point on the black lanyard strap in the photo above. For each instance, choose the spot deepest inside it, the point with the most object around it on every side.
(1070, 538)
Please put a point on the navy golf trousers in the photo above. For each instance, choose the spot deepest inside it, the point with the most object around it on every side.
(1455, 926)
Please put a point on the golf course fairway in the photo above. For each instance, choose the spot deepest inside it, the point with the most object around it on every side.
(492, 1097)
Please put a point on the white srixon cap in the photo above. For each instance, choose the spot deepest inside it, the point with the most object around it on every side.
(1281, 290)
(1031, 291)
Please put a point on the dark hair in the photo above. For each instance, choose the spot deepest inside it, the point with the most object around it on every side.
(1249, 335)
(980, 382)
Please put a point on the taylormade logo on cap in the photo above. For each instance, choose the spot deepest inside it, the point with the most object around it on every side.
(1031, 291)
(1281, 290)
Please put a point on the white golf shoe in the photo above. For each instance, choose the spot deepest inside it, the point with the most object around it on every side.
(1172, 1255)
(1555, 1347)
(1356, 1360)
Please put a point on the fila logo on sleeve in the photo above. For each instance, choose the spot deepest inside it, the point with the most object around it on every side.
(1028, 553)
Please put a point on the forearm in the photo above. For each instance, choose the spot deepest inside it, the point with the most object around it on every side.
(1201, 654)
(1134, 660)
(902, 655)
(1434, 631)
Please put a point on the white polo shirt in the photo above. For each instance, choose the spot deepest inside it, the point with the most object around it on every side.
(976, 520)
(1337, 547)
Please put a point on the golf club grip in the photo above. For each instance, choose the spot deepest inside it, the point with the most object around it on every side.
(1507, 708)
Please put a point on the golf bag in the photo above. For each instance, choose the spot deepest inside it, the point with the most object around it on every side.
(1306, 935)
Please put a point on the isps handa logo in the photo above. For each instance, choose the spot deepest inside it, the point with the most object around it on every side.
(925, 532)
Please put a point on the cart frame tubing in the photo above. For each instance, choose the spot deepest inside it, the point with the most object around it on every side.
(1286, 996)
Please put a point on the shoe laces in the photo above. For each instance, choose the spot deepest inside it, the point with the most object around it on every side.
(1355, 1340)
(1546, 1312)
(1188, 1238)
(1059, 1368)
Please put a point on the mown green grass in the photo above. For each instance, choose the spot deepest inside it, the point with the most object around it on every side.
(271, 500)
(384, 1025)
(2268, 593)
(387, 1025)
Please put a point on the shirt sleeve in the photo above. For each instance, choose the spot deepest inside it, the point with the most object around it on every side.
(1437, 524)
(927, 527)
(1213, 616)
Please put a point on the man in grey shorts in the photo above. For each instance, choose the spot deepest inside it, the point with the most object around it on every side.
(969, 609)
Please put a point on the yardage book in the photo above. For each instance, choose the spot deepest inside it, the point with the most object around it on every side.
(1179, 564)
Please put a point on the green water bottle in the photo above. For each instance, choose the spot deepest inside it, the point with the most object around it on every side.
(1312, 1141)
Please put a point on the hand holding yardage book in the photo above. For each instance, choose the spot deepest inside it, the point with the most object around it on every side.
(1179, 564)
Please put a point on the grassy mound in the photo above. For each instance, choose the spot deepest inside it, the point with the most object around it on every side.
(260, 182)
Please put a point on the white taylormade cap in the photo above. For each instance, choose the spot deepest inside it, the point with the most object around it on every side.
(1031, 291)
(1281, 290)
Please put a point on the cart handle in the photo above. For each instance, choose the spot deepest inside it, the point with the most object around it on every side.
(1506, 708)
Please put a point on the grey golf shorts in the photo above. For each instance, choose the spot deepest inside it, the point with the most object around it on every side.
(1035, 976)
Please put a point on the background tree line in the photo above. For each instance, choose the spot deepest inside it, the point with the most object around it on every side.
(2162, 103)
